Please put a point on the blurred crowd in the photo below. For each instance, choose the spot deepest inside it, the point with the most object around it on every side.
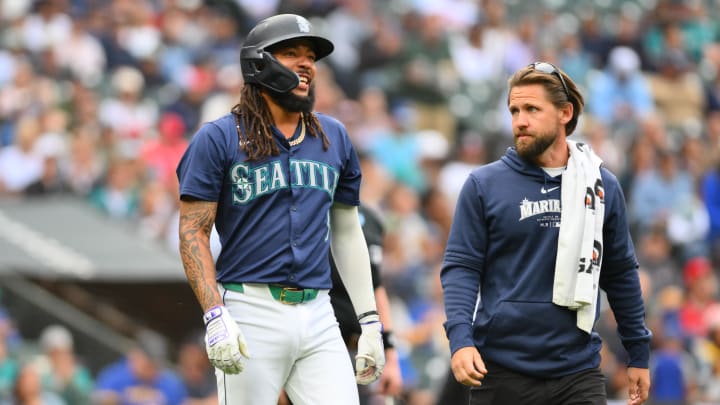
(99, 98)
(50, 371)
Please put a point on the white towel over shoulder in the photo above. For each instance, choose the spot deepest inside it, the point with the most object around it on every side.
(580, 244)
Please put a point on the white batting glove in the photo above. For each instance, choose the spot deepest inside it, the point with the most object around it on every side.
(370, 358)
(224, 342)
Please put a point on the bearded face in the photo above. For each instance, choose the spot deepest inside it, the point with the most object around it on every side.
(530, 147)
(292, 102)
(538, 125)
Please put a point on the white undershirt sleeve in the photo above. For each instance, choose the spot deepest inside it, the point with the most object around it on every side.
(351, 256)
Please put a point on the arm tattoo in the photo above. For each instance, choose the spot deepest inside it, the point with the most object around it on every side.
(196, 222)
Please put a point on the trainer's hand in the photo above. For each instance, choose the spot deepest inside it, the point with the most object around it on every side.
(370, 358)
(639, 385)
(468, 366)
(224, 342)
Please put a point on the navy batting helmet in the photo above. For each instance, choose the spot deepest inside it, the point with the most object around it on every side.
(257, 63)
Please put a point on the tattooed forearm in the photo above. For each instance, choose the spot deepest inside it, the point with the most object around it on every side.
(196, 221)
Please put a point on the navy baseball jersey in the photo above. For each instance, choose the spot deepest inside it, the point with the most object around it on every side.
(273, 214)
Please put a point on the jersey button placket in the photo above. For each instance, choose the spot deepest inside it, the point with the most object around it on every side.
(292, 212)
(293, 219)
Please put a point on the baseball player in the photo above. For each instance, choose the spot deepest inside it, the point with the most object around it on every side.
(281, 185)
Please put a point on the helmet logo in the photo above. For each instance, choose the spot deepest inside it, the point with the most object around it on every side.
(303, 24)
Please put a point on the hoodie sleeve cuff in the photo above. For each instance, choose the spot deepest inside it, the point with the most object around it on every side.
(460, 336)
(638, 354)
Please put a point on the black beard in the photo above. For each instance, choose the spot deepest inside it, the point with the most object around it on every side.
(291, 102)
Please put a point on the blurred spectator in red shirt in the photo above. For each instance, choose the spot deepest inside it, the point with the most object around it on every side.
(701, 289)
(162, 155)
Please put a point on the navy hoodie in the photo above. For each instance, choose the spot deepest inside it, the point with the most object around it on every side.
(499, 266)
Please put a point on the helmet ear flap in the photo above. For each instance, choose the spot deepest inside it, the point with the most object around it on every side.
(257, 66)
(269, 73)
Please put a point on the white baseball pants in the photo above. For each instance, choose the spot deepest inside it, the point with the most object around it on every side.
(296, 347)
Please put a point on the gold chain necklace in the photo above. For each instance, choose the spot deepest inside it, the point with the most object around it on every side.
(302, 133)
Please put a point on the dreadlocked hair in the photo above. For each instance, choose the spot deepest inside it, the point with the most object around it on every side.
(252, 114)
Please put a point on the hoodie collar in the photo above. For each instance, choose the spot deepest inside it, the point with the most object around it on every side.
(515, 162)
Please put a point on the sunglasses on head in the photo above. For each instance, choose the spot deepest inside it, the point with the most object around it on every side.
(549, 68)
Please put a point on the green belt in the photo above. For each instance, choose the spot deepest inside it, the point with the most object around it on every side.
(286, 295)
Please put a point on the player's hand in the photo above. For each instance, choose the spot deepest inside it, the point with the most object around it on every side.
(468, 366)
(224, 342)
(370, 358)
(638, 385)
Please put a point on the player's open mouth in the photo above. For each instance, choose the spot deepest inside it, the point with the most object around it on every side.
(304, 82)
